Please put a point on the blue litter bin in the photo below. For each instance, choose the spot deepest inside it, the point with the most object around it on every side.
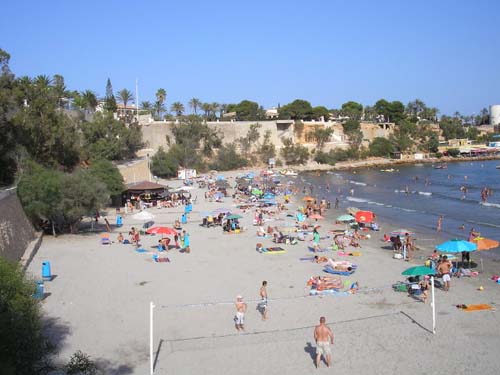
(46, 273)
(119, 220)
(189, 208)
(39, 291)
(184, 219)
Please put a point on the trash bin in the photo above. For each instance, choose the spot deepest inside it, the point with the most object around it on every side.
(188, 208)
(184, 219)
(119, 220)
(39, 291)
(46, 273)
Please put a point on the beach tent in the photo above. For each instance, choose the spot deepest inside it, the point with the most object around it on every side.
(425, 271)
(364, 216)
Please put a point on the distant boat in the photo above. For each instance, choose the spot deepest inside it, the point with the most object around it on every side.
(289, 173)
(441, 166)
(497, 167)
(389, 170)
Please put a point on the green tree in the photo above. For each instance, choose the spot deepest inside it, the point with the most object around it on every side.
(40, 194)
(109, 99)
(195, 104)
(146, 107)
(89, 100)
(227, 159)
(381, 147)
(23, 348)
(392, 111)
(267, 149)
(107, 138)
(193, 131)
(82, 195)
(250, 140)
(320, 112)
(322, 135)
(7, 129)
(162, 164)
(161, 96)
(297, 110)
(353, 110)
(294, 154)
(177, 108)
(246, 110)
(125, 96)
(108, 174)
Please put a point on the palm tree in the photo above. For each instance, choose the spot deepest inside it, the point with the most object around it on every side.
(222, 110)
(161, 96)
(178, 108)
(195, 104)
(89, 100)
(214, 107)
(125, 96)
(206, 108)
(42, 81)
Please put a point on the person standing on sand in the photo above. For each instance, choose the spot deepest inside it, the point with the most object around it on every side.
(444, 269)
(316, 239)
(263, 300)
(239, 319)
(324, 337)
(336, 203)
(439, 223)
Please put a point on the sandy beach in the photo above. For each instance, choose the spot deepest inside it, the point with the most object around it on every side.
(99, 303)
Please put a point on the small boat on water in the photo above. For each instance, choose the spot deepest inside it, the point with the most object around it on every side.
(441, 166)
(289, 173)
(497, 167)
(391, 170)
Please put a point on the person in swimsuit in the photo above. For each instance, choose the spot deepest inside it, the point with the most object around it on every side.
(324, 337)
(444, 269)
(263, 300)
(239, 319)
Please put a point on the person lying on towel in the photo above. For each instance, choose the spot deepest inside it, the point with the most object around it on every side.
(340, 265)
(318, 259)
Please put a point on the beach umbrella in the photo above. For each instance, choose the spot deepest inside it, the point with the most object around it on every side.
(234, 216)
(345, 218)
(143, 215)
(308, 199)
(425, 271)
(485, 243)
(162, 230)
(256, 191)
(418, 271)
(269, 196)
(401, 232)
(456, 246)
(364, 216)
(220, 178)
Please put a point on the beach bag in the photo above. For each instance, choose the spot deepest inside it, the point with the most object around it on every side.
(398, 256)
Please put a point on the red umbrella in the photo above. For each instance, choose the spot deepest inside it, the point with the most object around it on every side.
(162, 230)
(364, 216)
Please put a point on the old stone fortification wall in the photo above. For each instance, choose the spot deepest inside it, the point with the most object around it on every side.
(16, 231)
(155, 134)
(135, 171)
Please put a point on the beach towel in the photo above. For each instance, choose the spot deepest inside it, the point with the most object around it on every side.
(157, 259)
(331, 292)
(480, 307)
(273, 250)
(349, 254)
(141, 250)
(311, 249)
(335, 272)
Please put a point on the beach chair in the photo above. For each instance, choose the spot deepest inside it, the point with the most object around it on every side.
(105, 239)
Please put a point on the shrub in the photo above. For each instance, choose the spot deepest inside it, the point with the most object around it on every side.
(80, 363)
(453, 152)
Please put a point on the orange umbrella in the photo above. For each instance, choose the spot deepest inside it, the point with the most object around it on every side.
(308, 199)
(364, 216)
(485, 243)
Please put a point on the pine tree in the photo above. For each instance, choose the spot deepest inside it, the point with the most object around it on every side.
(109, 100)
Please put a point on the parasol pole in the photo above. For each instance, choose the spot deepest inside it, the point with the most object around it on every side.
(433, 305)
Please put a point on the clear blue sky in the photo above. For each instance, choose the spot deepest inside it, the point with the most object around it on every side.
(445, 52)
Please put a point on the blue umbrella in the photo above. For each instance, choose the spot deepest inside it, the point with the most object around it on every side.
(456, 246)
(269, 196)
(220, 178)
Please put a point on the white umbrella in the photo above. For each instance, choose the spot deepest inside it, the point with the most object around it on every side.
(143, 215)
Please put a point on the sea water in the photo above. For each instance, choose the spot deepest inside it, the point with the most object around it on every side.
(414, 196)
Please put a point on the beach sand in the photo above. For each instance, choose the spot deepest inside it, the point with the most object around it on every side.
(99, 303)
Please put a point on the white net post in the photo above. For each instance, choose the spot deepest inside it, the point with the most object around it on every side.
(151, 358)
